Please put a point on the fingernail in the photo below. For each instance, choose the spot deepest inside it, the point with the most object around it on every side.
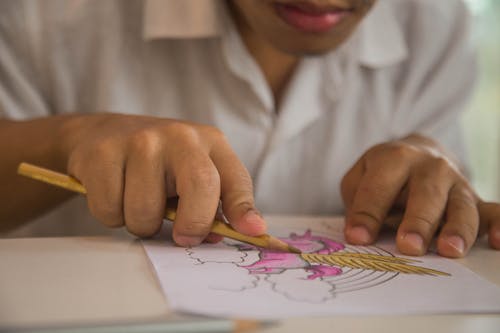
(252, 217)
(457, 243)
(187, 241)
(359, 234)
(415, 241)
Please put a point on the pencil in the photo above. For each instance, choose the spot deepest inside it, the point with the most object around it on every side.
(218, 227)
(183, 324)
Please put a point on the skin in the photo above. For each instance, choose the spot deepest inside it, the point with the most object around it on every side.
(130, 165)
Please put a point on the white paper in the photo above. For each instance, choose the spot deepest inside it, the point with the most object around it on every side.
(230, 279)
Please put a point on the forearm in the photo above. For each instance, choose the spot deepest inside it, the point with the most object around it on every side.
(39, 141)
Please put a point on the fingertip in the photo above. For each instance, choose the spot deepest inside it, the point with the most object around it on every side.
(410, 243)
(358, 235)
(251, 224)
(452, 246)
(144, 229)
(362, 228)
(186, 241)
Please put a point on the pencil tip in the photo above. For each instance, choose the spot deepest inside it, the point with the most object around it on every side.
(294, 249)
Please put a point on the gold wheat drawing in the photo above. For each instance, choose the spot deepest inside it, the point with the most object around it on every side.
(370, 261)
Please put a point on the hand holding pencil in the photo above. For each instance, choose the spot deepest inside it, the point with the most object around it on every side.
(219, 227)
(129, 166)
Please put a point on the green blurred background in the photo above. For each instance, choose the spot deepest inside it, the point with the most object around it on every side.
(482, 118)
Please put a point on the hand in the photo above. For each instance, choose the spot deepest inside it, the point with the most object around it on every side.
(131, 164)
(415, 175)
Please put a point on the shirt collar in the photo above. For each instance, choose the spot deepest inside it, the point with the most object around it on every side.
(381, 42)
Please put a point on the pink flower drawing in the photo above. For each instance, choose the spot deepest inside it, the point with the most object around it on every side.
(277, 262)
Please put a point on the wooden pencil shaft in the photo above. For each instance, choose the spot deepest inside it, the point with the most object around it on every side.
(218, 227)
(51, 177)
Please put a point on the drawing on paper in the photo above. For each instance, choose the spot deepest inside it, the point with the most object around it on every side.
(325, 268)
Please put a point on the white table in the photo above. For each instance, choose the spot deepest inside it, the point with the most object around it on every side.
(89, 280)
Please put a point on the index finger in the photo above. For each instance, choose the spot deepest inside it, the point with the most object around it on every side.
(374, 197)
(237, 197)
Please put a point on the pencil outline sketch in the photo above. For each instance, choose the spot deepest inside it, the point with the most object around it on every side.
(326, 266)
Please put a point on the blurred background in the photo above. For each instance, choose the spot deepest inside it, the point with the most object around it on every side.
(482, 118)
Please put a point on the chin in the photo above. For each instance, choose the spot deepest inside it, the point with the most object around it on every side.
(308, 46)
(301, 50)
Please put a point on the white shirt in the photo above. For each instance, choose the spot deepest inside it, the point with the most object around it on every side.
(408, 68)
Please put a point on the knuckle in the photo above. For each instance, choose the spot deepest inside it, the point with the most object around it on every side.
(366, 217)
(434, 190)
(147, 141)
(464, 201)
(204, 178)
(422, 222)
(464, 197)
(402, 151)
(440, 166)
(104, 147)
(213, 132)
(395, 153)
(182, 131)
(244, 184)
(241, 201)
(198, 226)
(374, 189)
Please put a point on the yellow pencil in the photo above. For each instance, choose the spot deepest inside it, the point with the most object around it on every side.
(218, 227)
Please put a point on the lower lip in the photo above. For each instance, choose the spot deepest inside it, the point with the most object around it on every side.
(317, 22)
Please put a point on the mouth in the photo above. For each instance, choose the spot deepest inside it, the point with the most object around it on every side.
(311, 18)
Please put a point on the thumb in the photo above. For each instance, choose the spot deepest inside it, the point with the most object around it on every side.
(240, 211)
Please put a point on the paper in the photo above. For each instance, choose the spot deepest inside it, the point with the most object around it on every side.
(232, 279)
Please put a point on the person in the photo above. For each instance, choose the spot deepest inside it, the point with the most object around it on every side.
(292, 106)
